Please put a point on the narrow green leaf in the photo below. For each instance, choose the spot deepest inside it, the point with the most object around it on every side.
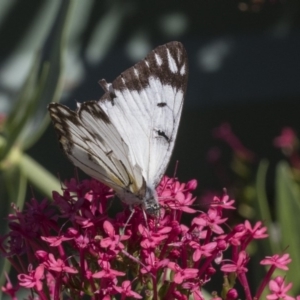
(39, 176)
(288, 211)
(51, 87)
(262, 208)
(17, 118)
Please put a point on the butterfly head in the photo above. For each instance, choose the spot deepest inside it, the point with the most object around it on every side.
(151, 205)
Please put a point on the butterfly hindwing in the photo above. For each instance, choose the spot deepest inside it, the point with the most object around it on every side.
(145, 103)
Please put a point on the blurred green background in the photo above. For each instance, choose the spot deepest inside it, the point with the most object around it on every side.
(244, 69)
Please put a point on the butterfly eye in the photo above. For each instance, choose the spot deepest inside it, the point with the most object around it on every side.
(153, 210)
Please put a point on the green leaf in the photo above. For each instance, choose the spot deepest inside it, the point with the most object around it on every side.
(17, 119)
(263, 210)
(39, 176)
(288, 212)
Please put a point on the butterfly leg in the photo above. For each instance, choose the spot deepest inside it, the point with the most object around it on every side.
(122, 230)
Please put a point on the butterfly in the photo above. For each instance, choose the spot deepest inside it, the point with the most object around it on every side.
(125, 140)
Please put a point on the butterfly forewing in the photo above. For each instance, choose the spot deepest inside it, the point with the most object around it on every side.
(125, 139)
(90, 141)
(148, 98)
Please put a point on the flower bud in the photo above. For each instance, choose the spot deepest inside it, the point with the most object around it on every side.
(232, 294)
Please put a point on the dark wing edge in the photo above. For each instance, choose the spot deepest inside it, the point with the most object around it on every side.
(148, 98)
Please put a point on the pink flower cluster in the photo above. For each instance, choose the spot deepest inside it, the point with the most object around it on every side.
(288, 142)
(74, 247)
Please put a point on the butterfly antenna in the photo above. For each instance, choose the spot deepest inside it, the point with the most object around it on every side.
(174, 175)
(122, 231)
(60, 181)
(76, 174)
(32, 192)
(137, 261)
(109, 204)
(176, 167)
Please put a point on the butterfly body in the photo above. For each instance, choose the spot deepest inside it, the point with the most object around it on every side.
(125, 139)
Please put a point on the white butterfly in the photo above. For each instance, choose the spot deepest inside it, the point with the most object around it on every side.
(125, 139)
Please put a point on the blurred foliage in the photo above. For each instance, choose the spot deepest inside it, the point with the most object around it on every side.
(248, 185)
(25, 123)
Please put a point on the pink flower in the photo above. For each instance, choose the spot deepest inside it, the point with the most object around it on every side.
(257, 231)
(224, 202)
(182, 274)
(9, 289)
(107, 272)
(33, 279)
(182, 202)
(82, 242)
(205, 250)
(55, 240)
(277, 261)
(279, 290)
(59, 265)
(232, 294)
(195, 289)
(212, 219)
(286, 140)
(239, 266)
(153, 264)
(178, 295)
(126, 291)
(192, 185)
(151, 239)
(113, 241)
